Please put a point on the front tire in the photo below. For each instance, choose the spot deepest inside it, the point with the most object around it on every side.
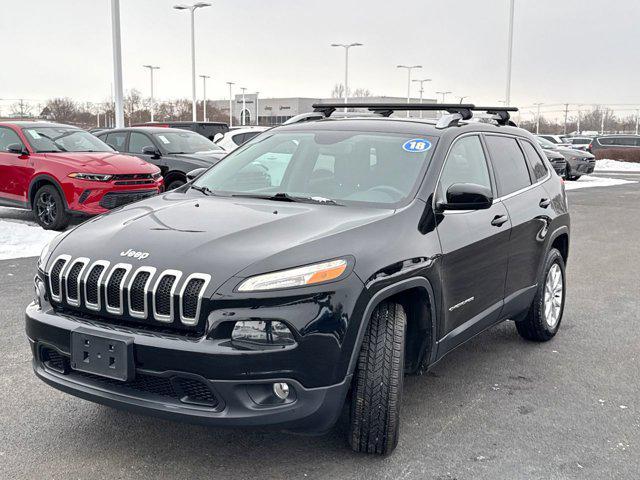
(545, 315)
(49, 209)
(377, 389)
(177, 183)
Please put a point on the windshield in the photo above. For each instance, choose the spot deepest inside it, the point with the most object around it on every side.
(544, 143)
(64, 139)
(182, 141)
(339, 166)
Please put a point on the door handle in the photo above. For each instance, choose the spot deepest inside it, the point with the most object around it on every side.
(544, 202)
(498, 220)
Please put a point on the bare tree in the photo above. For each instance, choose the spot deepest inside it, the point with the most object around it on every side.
(63, 110)
(20, 109)
(361, 93)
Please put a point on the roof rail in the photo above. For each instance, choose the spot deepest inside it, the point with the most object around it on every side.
(501, 114)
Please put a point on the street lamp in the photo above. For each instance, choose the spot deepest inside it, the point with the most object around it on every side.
(192, 9)
(243, 116)
(507, 96)
(444, 95)
(538, 117)
(421, 82)
(462, 98)
(346, 66)
(409, 69)
(151, 69)
(231, 84)
(257, 111)
(117, 62)
(204, 96)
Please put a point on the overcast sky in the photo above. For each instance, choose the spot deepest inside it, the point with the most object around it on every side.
(577, 51)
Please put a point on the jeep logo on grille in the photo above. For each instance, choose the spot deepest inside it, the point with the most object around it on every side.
(134, 254)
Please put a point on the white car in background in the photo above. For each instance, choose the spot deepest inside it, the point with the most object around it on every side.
(237, 136)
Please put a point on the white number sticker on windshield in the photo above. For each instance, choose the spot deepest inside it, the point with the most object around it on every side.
(416, 145)
(35, 135)
(163, 138)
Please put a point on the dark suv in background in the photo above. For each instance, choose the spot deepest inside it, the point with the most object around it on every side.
(206, 129)
(176, 152)
(320, 262)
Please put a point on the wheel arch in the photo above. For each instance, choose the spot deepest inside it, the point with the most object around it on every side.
(560, 239)
(421, 320)
(41, 180)
(172, 175)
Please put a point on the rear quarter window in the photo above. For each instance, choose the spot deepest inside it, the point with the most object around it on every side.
(536, 164)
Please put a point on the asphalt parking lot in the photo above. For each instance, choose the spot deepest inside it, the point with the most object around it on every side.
(496, 408)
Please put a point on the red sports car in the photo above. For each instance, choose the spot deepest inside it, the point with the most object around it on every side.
(59, 170)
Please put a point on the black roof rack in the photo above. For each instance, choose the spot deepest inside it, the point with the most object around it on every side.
(462, 111)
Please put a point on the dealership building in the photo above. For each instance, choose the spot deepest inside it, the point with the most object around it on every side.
(274, 111)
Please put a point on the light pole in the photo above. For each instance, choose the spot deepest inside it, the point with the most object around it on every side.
(507, 96)
(637, 120)
(462, 98)
(346, 66)
(444, 95)
(192, 9)
(578, 126)
(117, 62)
(151, 69)
(422, 82)
(243, 116)
(231, 84)
(538, 118)
(409, 69)
(257, 111)
(204, 96)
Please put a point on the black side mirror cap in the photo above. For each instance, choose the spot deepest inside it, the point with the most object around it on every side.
(149, 150)
(193, 174)
(17, 148)
(467, 196)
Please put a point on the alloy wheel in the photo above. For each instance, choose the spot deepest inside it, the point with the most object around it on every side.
(553, 296)
(46, 209)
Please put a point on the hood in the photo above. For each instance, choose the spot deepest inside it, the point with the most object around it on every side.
(204, 159)
(573, 153)
(102, 162)
(553, 154)
(220, 236)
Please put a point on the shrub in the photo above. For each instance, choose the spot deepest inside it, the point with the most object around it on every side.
(623, 154)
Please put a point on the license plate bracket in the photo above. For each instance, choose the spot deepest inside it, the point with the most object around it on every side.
(107, 355)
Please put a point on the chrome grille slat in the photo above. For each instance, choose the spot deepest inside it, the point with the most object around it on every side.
(150, 295)
(72, 280)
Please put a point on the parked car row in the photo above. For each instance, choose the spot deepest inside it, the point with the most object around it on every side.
(60, 171)
(576, 162)
(593, 143)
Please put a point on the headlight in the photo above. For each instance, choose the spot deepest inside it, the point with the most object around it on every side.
(157, 176)
(295, 277)
(48, 248)
(93, 177)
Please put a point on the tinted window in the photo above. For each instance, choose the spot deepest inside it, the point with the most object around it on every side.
(238, 139)
(138, 141)
(509, 164)
(580, 141)
(7, 137)
(466, 163)
(535, 162)
(116, 140)
(249, 135)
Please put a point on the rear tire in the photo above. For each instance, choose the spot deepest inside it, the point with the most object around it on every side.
(545, 314)
(49, 209)
(377, 389)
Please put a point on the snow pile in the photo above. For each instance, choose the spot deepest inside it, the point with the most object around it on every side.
(20, 239)
(616, 166)
(587, 181)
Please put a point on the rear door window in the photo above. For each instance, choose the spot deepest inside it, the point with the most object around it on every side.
(509, 164)
(536, 163)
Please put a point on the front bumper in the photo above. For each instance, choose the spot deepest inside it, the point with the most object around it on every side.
(238, 402)
(94, 198)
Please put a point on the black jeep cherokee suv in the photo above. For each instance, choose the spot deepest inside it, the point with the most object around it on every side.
(320, 262)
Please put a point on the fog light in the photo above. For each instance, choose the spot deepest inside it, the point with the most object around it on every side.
(261, 334)
(281, 390)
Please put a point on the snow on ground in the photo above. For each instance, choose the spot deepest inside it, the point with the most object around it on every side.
(587, 181)
(616, 166)
(19, 238)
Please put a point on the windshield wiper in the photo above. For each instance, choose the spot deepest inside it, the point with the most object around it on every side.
(285, 197)
(205, 190)
(177, 153)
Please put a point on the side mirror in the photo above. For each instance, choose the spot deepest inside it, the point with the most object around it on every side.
(193, 174)
(17, 148)
(149, 150)
(217, 137)
(467, 196)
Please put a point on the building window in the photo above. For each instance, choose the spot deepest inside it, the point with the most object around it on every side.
(245, 117)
